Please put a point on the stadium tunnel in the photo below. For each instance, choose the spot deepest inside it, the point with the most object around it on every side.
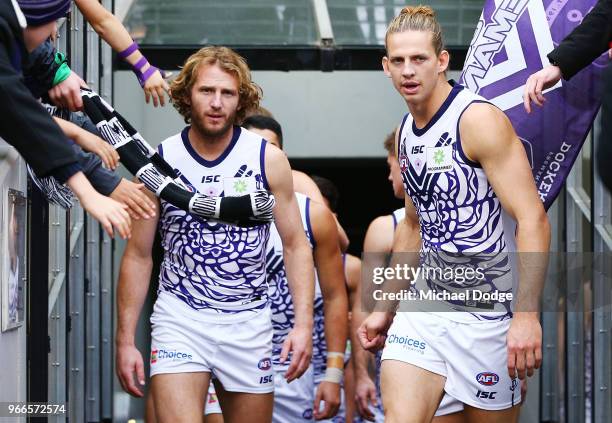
(318, 63)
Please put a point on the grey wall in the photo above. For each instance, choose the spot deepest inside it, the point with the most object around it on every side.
(337, 114)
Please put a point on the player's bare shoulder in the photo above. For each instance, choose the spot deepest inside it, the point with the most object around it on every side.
(485, 130)
(322, 219)
(277, 168)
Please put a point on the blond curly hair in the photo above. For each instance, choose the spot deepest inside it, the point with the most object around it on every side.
(249, 93)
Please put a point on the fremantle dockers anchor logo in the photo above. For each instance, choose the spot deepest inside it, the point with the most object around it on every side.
(502, 54)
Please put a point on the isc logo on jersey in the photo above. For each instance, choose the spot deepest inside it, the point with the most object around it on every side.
(487, 378)
(206, 179)
(266, 379)
(486, 395)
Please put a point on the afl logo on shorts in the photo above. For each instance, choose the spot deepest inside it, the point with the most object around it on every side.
(264, 364)
(487, 378)
(153, 356)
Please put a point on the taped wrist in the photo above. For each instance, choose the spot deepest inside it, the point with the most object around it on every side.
(333, 375)
(334, 371)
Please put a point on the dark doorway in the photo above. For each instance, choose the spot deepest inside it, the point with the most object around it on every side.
(365, 192)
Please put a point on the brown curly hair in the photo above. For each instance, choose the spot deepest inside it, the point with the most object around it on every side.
(249, 93)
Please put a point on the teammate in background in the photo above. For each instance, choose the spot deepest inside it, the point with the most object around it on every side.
(211, 316)
(271, 131)
(379, 242)
(297, 401)
(259, 111)
(352, 273)
(461, 162)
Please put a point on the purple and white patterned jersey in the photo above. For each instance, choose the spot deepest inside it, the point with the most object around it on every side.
(215, 269)
(458, 211)
(281, 304)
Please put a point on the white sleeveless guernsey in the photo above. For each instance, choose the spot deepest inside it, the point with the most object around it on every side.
(458, 212)
(216, 270)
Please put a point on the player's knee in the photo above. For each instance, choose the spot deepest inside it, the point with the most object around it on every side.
(397, 412)
(393, 412)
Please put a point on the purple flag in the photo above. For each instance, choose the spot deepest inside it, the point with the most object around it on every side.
(511, 42)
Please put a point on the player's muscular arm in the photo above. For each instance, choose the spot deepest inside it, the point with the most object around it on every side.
(328, 262)
(377, 245)
(406, 245)
(296, 252)
(298, 259)
(132, 288)
(352, 272)
(489, 139)
(365, 390)
(407, 238)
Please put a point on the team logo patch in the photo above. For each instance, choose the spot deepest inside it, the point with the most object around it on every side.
(487, 378)
(307, 414)
(264, 364)
(403, 162)
(235, 187)
(439, 159)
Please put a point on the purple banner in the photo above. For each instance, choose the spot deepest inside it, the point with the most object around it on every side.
(511, 42)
